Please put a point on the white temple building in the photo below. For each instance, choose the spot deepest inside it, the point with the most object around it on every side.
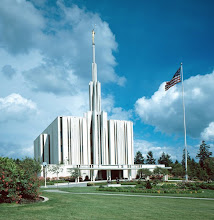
(99, 147)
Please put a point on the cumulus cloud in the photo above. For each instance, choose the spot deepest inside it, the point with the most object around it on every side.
(55, 79)
(208, 133)
(15, 151)
(164, 109)
(119, 113)
(64, 44)
(146, 146)
(46, 51)
(15, 107)
(8, 71)
(116, 113)
(21, 25)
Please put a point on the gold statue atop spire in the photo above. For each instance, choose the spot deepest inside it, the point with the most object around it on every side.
(93, 33)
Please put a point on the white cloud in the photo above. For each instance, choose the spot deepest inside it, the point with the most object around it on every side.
(55, 79)
(15, 107)
(21, 25)
(15, 151)
(49, 48)
(119, 113)
(63, 43)
(208, 133)
(146, 146)
(116, 113)
(164, 109)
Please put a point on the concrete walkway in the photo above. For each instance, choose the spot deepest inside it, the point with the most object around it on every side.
(63, 185)
(55, 191)
(71, 184)
(133, 195)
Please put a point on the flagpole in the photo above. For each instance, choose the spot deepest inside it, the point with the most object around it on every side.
(185, 136)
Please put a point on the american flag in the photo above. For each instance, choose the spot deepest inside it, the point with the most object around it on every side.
(176, 79)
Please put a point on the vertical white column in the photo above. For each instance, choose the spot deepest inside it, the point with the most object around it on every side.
(104, 138)
(130, 174)
(94, 136)
(111, 142)
(41, 147)
(46, 148)
(85, 147)
(65, 139)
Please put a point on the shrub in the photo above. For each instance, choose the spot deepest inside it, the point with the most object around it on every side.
(87, 178)
(206, 186)
(168, 186)
(128, 183)
(61, 178)
(159, 191)
(139, 182)
(90, 184)
(148, 185)
(137, 176)
(18, 179)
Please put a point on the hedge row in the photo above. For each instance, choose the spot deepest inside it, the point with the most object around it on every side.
(159, 191)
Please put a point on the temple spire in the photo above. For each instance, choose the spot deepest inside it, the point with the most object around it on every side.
(93, 45)
(93, 33)
(94, 65)
(94, 85)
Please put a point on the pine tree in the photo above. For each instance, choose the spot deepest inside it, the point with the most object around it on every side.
(203, 154)
(139, 159)
(150, 159)
(165, 159)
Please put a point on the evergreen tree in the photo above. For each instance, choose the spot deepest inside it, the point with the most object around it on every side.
(209, 167)
(150, 159)
(176, 162)
(177, 169)
(139, 159)
(193, 169)
(165, 159)
(203, 154)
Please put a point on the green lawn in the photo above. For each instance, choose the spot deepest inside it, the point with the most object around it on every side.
(75, 206)
(205, 194)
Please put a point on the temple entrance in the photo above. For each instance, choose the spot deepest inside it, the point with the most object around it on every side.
(102, 175)
(116, 174)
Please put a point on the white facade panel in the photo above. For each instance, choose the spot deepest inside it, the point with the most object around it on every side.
(92, 140)
(46, 147)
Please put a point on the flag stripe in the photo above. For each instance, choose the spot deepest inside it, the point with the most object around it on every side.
(176, 79)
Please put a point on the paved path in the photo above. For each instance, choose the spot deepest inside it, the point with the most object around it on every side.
(133, 195)
(55, 191)
(72, 184)
(62, 185)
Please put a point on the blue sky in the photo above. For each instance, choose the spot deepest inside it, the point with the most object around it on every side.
(45, 67)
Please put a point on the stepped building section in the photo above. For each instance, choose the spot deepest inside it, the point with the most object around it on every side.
(92, 143)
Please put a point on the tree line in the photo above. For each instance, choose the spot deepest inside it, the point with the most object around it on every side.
(201, 170)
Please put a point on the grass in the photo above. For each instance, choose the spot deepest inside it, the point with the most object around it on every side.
(204, 194)
(76, 206)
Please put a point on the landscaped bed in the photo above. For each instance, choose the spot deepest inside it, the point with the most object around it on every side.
(162, 188)
(139, 190)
